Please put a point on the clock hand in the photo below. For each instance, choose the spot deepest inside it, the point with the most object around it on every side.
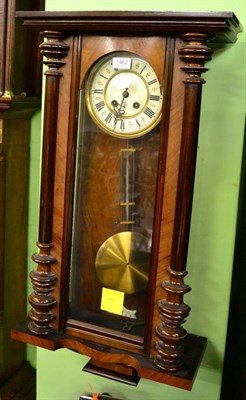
(116, 119)
(125, 94)
(121, 109)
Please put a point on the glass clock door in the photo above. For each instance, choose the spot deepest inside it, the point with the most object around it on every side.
(115, 190)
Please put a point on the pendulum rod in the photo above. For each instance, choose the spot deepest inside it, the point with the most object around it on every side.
(127, 201)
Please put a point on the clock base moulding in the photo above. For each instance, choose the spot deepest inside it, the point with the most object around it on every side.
(107, 362)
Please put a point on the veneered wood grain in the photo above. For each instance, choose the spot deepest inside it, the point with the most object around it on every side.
(60, 173)
(109, 355)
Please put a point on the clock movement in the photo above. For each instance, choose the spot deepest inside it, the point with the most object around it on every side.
(121, 116)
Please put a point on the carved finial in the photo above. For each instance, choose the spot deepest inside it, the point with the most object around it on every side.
(195, 54)
(54, 49)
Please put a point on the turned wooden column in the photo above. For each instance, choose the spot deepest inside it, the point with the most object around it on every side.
(43, 279)
(173, 311)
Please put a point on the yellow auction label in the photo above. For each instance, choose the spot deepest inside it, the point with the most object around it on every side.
(112, 301)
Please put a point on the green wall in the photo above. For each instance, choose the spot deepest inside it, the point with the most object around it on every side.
(214, 215)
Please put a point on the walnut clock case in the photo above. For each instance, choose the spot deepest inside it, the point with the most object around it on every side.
(121, 117)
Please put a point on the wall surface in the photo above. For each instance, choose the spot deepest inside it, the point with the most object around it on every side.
(213, 219)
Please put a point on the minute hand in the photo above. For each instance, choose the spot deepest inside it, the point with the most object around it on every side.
(121, 109)
(125, 94)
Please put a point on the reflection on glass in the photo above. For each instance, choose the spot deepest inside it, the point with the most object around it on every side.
(112, 227)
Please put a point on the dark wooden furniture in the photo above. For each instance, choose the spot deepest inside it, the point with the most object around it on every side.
(176, 45)
(20, 385)
(19, 99)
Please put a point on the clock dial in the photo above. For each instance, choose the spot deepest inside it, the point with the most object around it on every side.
(123, 95)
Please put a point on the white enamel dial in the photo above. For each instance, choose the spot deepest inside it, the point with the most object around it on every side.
(123, 95)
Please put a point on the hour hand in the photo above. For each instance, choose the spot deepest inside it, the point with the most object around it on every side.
(119, 109)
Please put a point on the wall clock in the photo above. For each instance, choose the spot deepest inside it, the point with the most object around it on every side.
(121, 119)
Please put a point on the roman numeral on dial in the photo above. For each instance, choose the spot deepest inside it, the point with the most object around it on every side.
(98, 91)
(137, 122)
(154, 97)
(149, 112)
(151, 82)
(108, 118)
(100, 105)
(103, 76)
(142, 70)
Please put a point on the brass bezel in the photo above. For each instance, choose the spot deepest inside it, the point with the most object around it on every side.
(105, 128)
